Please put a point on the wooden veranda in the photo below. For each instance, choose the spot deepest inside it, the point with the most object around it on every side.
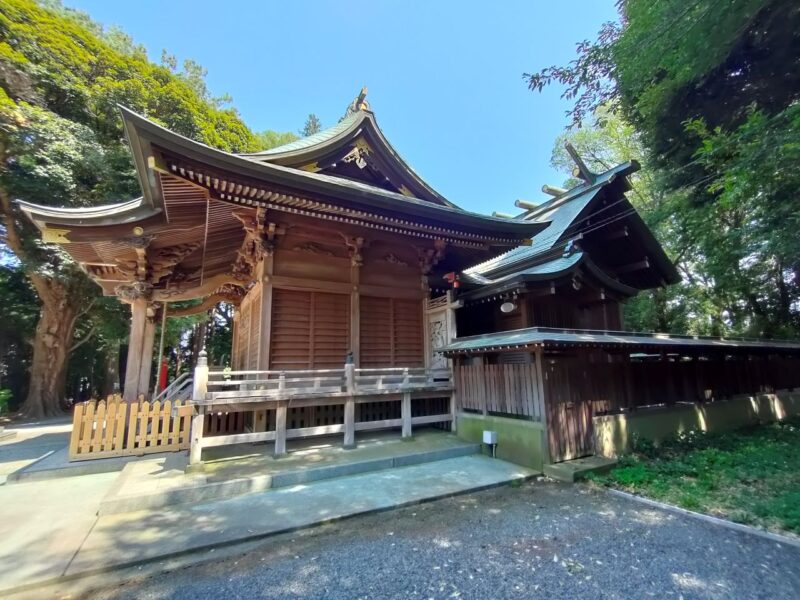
(269, 395)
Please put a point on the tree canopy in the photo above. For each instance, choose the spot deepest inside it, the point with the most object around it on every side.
(710, 94)
(62, 77)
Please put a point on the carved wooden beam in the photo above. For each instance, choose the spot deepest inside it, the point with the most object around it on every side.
(164, 260)
(430, 257)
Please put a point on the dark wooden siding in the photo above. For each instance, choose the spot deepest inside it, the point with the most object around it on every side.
(391, 332)
(310, 330)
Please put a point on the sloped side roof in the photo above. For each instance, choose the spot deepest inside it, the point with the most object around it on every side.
(562, 212)
(549, 337)
(313, 140)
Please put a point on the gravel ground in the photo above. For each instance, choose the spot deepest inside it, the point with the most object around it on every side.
(540, 540)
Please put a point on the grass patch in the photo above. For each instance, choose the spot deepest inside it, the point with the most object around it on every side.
(749, 476)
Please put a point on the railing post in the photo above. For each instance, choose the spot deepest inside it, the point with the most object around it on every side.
(405, 414)
(350, 378)
(406, 380)
(200, 381)
(282, 381)
(199, 390)
(280, 428)
(350, 406)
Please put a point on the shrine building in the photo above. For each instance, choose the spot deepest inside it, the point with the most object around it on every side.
(366, 300)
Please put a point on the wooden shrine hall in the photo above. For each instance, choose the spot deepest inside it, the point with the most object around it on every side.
(366, 300)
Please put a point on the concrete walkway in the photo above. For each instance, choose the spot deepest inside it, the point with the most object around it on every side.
(166, 480)
(51, 530)
(32, 442)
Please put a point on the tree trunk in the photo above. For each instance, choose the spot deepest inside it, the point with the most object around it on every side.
(50, 350)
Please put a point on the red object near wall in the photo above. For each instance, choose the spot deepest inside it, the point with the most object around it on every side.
(162, 376)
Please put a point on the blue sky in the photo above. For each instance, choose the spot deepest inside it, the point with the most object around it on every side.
(444, 77)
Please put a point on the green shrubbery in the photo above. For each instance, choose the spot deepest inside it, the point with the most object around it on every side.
(749, 476)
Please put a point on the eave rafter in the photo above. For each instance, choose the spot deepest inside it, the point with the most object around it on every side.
(261, 195)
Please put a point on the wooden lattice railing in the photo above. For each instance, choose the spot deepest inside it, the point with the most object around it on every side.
(244, 386)
(112, 427)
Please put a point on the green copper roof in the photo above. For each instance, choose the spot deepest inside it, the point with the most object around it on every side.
(313, 140)
(551, 267)
(550, 337)
(562, 212)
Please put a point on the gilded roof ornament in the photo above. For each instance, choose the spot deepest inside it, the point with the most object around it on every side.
(359, 103)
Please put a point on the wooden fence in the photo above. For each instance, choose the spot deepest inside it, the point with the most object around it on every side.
(115, 428)
(510, 389)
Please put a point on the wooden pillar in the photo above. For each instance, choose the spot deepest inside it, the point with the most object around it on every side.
(355, 315)
(544, 405)
(146, 363)
(280, 429)
(196, 448)
(135, 347)
(264, 273)
(405, 414)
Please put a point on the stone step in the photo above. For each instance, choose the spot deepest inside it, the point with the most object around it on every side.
(573, 470)
(137, 489)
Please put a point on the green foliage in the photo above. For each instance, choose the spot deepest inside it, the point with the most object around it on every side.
(20, 312)
(708, 97)
(313, 125)
(750, 476)
(272, 139)
(61, 143)
(5, 401)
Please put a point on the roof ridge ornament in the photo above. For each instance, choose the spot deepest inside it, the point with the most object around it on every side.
(580, 170)
(359, 103)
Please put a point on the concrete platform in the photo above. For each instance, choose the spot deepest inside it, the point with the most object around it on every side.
(579, 468)
(167, 481)
(49, 537)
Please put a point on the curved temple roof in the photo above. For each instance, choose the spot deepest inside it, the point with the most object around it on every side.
(358, 130)
(147, 137)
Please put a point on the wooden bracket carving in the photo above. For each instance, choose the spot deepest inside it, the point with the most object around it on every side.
(430, 257)
(259, 242)
(355, 245)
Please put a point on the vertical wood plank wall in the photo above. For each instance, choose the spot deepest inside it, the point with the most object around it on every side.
(391, 333)
(505, 389)
(310, 330)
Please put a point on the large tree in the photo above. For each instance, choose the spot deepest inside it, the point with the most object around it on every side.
(61, 143)
(712, 93)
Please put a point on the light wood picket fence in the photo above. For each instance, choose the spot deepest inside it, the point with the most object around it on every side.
(111, 427)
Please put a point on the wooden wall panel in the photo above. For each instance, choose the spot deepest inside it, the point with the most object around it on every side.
(409, 346)
(310, 330)
(376, 332)
(290, 345)
(243, 331)
(255, 329)
(392, 334)
(330, 334)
